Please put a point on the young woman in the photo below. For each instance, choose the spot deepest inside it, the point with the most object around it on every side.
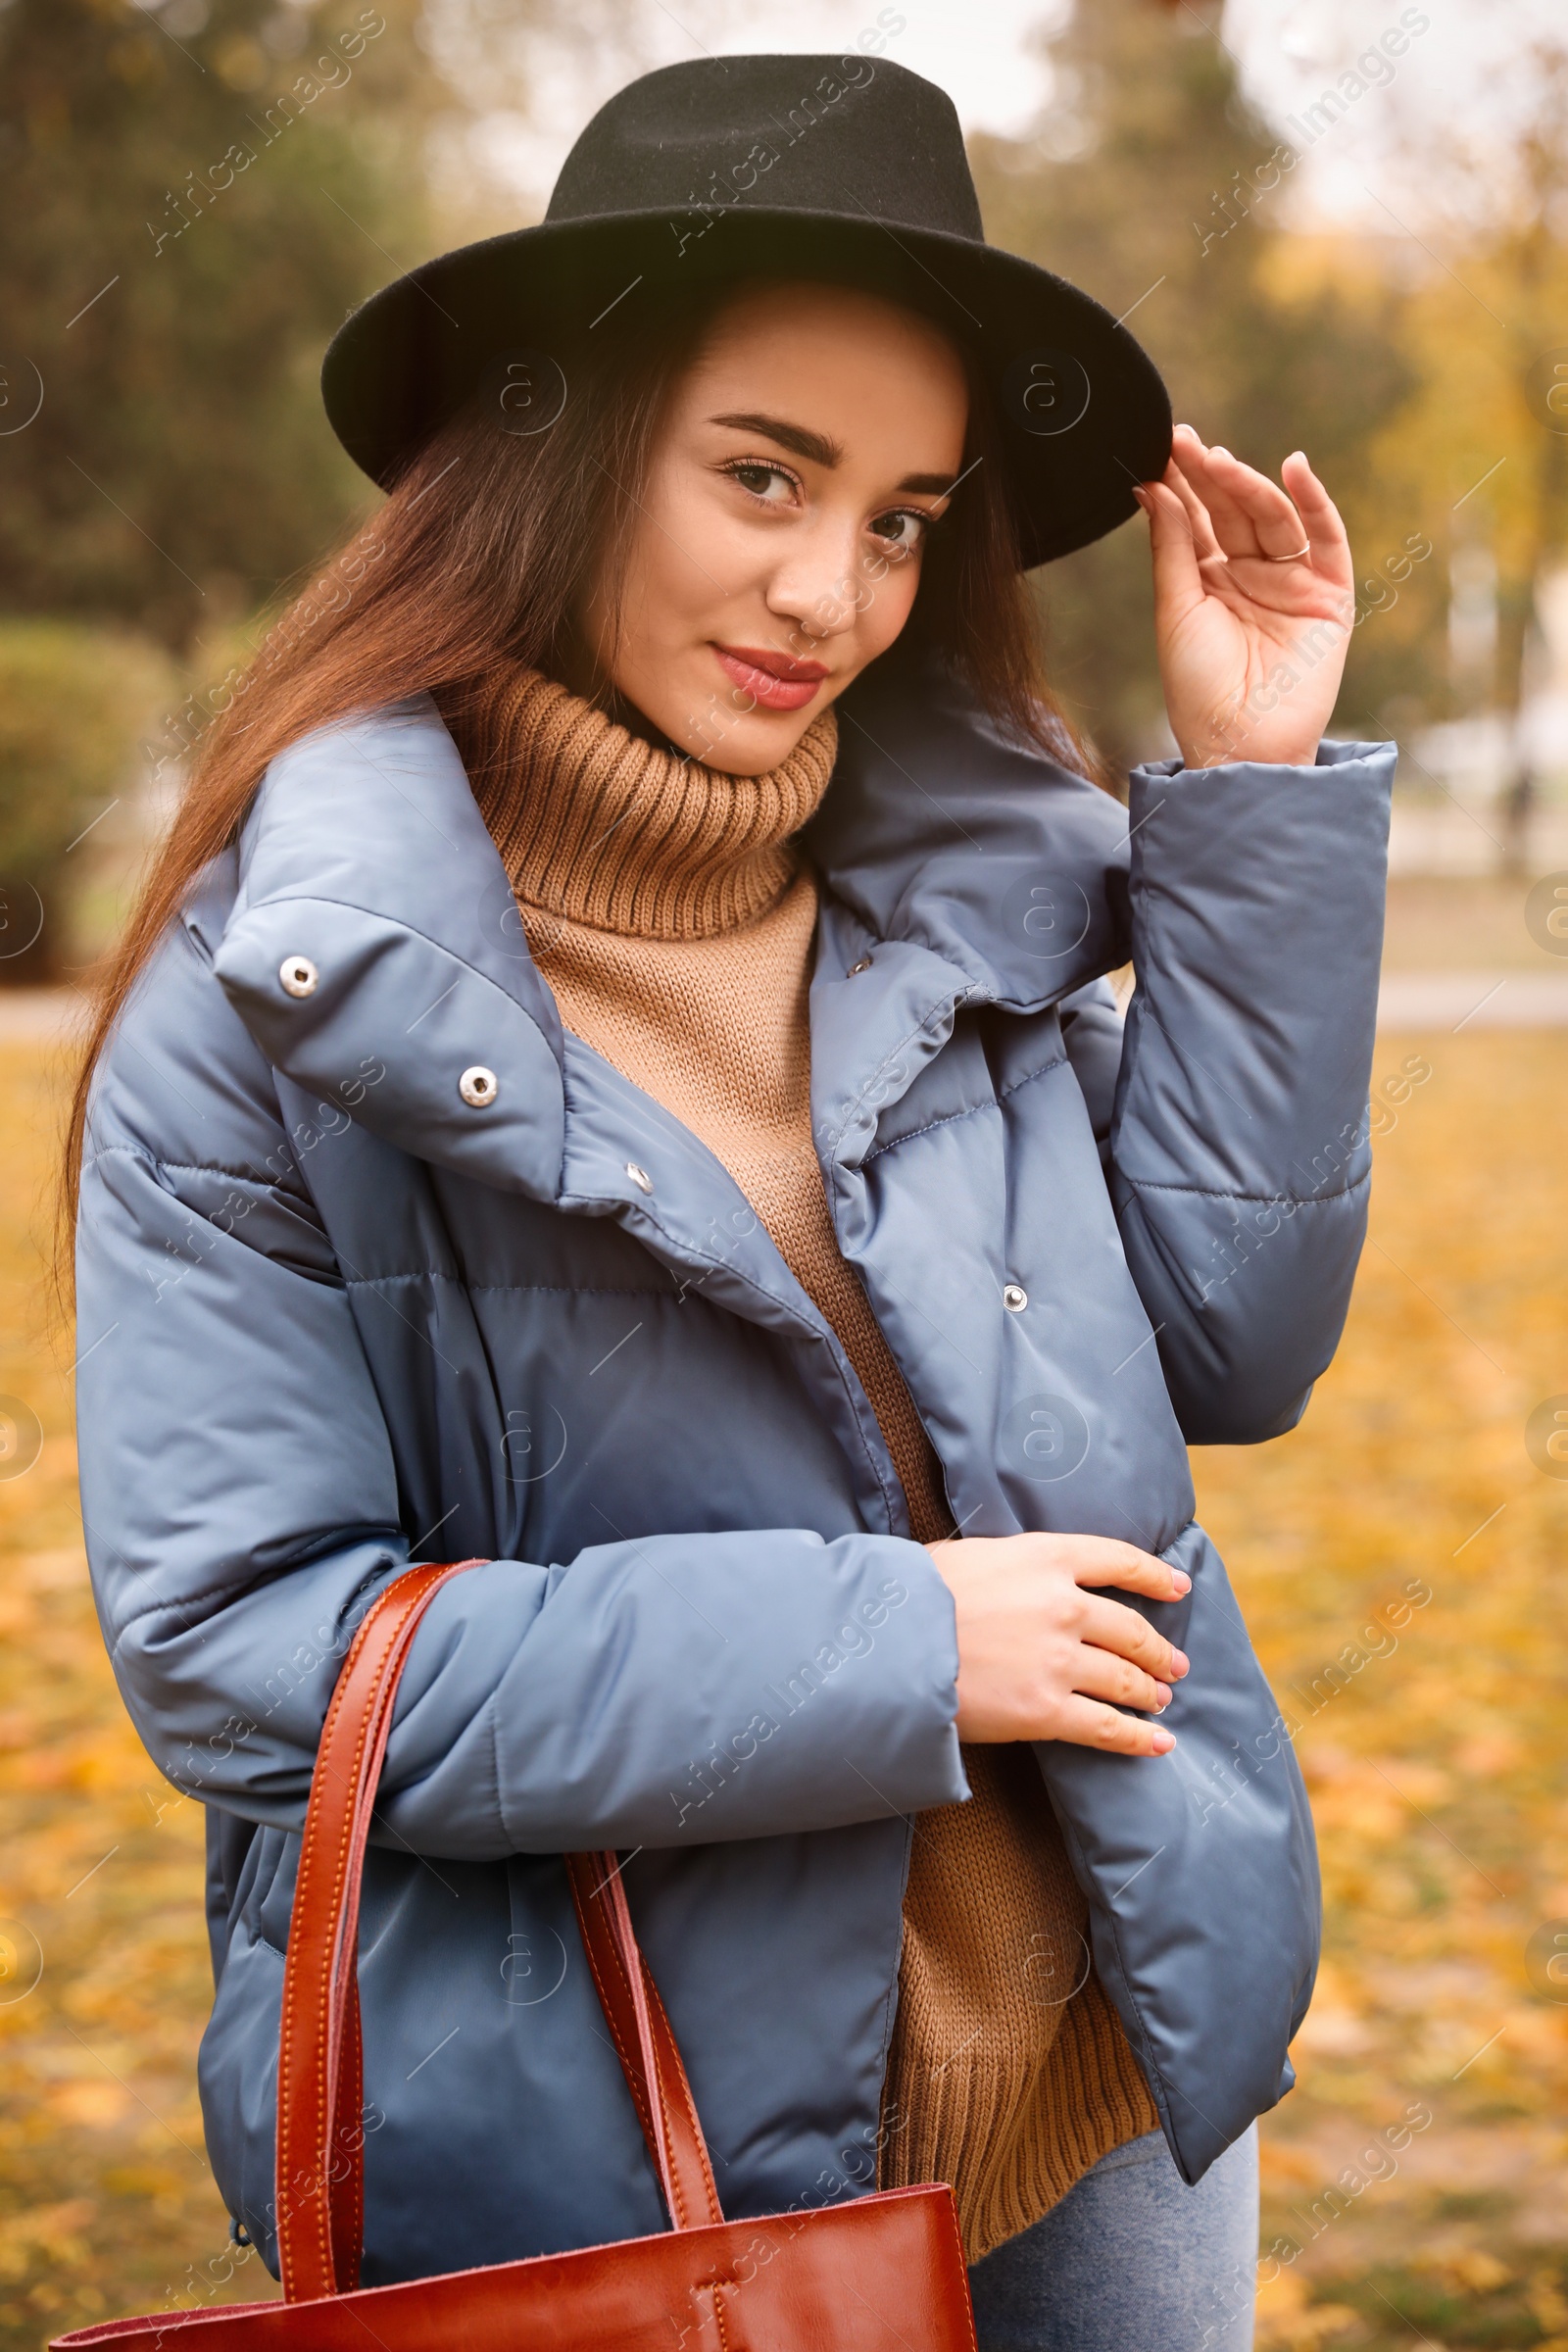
(613, 1076)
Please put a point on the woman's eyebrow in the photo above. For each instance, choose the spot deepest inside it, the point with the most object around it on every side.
(797, 438)
(804, 443)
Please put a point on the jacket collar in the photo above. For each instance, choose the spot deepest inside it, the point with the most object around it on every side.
(366, 863)
(376, 814)
(944, 833)
(972, 869)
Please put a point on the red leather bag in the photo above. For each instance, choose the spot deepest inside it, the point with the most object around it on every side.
(884, 2272)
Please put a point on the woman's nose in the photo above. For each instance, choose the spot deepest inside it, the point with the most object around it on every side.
(823, 590)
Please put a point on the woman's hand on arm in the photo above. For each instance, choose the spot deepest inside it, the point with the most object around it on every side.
(1251, 644)
(1041, 1657)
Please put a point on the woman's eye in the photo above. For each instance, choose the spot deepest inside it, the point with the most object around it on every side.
(902, 528)
(770, 482)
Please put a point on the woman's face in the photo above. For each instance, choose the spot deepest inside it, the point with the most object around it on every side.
(799, 465)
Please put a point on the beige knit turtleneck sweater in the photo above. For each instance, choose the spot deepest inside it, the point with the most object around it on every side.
(665, 906)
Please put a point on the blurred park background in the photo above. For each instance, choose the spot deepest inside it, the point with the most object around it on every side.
(1338, 225)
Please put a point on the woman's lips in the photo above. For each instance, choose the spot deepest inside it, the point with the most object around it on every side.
(773, 681)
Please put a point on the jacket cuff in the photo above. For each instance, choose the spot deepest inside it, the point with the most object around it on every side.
(1328, 755)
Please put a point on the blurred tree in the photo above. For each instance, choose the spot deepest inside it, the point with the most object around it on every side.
(1530, 261)
(197, 191)
(74, 703)
(1488, 325)
(1151, 181)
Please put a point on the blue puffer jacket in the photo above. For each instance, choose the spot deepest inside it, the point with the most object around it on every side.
(333, 1319)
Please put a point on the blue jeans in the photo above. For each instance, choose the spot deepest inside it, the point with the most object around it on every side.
(1132, 2260)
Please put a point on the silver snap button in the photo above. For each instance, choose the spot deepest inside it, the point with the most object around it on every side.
(639, 1176)
(299, 975)
(861, 963)
(477, 1086)
(1014, 1297)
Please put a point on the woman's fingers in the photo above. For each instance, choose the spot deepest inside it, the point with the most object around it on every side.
(1213, 474)
(1100, 1674)
(1199, 520)
(1276, 525)
(1107, 1560)
(1252, 516)
(1087, 1723)
(1322, 522)
(1110, 1626)
(1171, 544)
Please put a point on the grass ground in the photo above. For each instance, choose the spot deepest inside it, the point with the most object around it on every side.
(1403, 1537)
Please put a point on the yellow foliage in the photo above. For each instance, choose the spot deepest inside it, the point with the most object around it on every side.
(1286, 2320)
(1471, 2272)
(1548, 2305)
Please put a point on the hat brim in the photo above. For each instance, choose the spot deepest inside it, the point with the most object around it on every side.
(1085, 414)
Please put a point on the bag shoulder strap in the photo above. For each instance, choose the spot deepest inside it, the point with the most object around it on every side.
(321, 2137)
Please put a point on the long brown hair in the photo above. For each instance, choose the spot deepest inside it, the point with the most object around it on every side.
(483, 552)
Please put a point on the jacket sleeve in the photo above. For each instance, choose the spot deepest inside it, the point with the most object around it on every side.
(241, 1504)
(1240, 1144)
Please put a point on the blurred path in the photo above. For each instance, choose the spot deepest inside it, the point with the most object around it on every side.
(1473, 1001)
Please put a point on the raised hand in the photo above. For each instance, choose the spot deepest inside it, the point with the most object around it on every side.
(1254, 599)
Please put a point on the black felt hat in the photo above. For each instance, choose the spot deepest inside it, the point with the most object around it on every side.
(850, 169)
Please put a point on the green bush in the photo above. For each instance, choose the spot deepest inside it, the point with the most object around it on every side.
(76, 707)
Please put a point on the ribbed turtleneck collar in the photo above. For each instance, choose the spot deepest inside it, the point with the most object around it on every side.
(596, 825)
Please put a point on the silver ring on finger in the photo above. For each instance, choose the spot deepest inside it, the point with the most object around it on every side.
(1295, 557)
